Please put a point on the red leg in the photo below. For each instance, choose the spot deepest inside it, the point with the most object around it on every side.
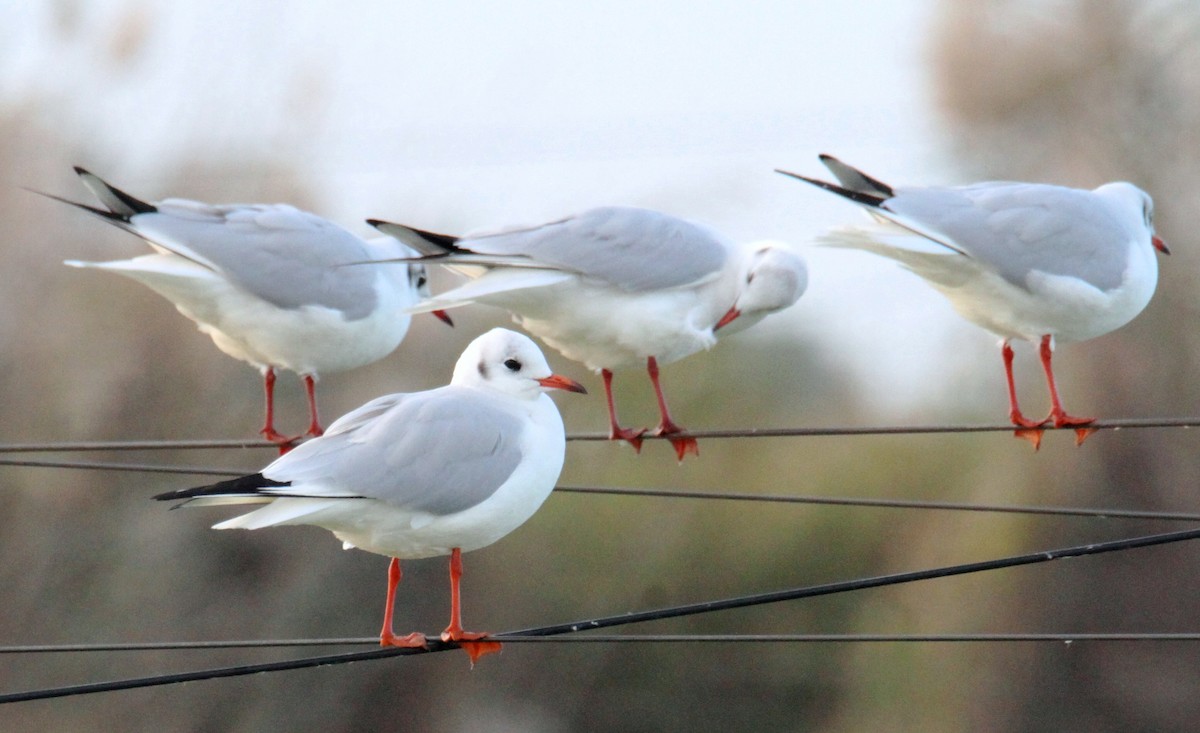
(468, 640)
(268, 430)
(615, 431)
(1027, 429)
(667, 427)
(314, 422)
(386, 637)
(1057, 413)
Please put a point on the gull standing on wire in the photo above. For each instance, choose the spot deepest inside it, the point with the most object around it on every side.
(263, 281)
(1030, 261)
(424, 474)
(615, 287)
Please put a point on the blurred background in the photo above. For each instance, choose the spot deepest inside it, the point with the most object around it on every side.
(455, 115)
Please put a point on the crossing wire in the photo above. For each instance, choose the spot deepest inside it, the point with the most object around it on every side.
(1102, 513)
(615, 621)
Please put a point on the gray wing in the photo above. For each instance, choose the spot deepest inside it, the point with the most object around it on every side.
(440, 452)
(285, 256)
(1018, 228)
(633, 249)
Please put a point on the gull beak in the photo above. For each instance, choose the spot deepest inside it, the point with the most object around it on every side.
(1159, 245)
(726, 319)
(557, 381)
(444, 317)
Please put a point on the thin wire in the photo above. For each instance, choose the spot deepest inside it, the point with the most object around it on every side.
(1114, 424)
(609, 639)
(615, 638)
(689, 494)
(122, 445)
(110, 466)
(614, 621)
(886, 503)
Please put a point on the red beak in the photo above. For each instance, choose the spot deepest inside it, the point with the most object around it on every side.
(1159, 245)
(443, 317)
(729, 316)
(557, 381)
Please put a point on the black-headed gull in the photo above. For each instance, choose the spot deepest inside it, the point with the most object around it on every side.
(262, 280)
(1031, 261)
(616, 287)
(424, 474)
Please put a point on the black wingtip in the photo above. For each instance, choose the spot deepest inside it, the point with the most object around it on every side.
(857, 197)
(104, 213)
(854, 179)
(114, 198)
(441, 243)
(250, 484)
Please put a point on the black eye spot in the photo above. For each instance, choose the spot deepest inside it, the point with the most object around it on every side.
(513, 365)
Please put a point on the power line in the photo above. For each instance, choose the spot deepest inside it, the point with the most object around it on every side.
(1116, 424)
(123, 445)
(618, 620)
(1101, 513)
(613, 639)
(1132, 636)
(887, 503)
(786, 432)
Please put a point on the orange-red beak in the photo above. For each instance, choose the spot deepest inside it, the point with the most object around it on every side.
(1160, 245)
(557, 381)
(726, 319)
(444, 317)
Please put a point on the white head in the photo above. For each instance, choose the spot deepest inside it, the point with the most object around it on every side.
(507, 362)
(775, 278)
(1135, 209)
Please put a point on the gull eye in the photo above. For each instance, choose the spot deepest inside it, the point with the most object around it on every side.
(513, 365)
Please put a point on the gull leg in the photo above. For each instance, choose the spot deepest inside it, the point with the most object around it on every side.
(668, 427)
(1057, 413)
(268, 430)
(615, 431)
(1027, 429)
(386, 637)
(468, 640)
(314, 422)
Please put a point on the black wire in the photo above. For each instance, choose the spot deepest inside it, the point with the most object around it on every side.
(688, 494)
(1113, 424)
(609, 639)
(614, 621)
(132, 467)
(886, 503)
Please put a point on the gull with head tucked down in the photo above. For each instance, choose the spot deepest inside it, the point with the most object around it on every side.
(615, 287)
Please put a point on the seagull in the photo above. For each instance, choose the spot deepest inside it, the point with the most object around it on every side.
(421, 474)
(262, 280)
(616, 287)
(1029, 261)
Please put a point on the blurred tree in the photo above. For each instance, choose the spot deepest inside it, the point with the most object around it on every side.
(1079, 92)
